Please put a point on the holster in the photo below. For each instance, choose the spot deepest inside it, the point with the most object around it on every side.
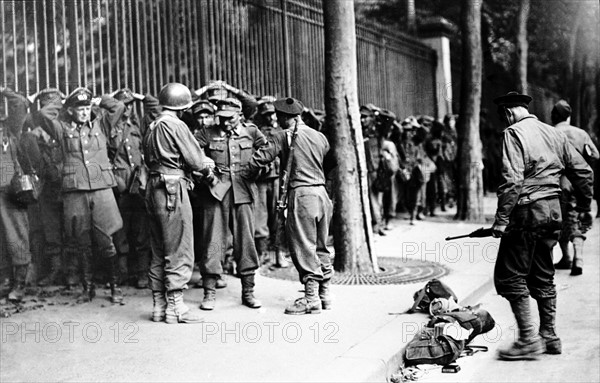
(172, 185)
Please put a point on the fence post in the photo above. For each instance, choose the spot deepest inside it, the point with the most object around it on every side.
(286, 48)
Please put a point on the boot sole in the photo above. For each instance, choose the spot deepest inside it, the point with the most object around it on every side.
(158, 318)
(175, 320)
(302, 312)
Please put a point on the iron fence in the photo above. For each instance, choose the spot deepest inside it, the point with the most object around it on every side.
(271, 47)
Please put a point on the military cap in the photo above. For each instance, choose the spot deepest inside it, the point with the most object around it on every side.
(562, 110)
(125, 95)
(513, 99)
(79, 97)
(387, 114)
(228, 107)
(369, 109)
(410, 123)
(49, 94)
(266, 107)
(289, 106)
(200, 106)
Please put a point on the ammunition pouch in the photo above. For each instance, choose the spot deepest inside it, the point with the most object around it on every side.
(172, 186)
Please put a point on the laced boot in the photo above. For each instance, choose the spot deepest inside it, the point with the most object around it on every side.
(52, 276)
(116, 295)
(529, 345)
(89, 288)
(20, 278)
(221, 283)
(324, 294)
(209, 283)
(177, 311)
(565, 262)
(577, 266)
(310, 303)
(159, 307)
(248, 298)
(547, 309)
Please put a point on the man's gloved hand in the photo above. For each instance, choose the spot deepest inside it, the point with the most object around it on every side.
(585, 221)
(498, 230)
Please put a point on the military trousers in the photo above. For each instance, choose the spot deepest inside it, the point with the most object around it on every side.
(171, 236)
(134, 238)
(307, 229)
(525, 264)
(51, 209)
(14, 232)
(91, 217)
(265, 208)
(226, 222)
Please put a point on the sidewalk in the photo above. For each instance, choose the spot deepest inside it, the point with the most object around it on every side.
(361, 339)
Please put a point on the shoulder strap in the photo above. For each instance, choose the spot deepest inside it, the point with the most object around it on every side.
(13, 154)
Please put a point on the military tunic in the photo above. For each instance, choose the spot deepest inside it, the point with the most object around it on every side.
(228, 215)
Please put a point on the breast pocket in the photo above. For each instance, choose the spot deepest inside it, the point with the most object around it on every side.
(72, 142)
(246, 151)
(216, 151)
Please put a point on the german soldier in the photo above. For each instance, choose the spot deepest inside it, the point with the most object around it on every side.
(572, 229)
(228, 213)
(309, 206)
(90, 211)
(171, 153)
(528, 219)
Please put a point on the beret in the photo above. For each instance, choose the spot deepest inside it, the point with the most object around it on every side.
(289, 106)
(79, 97)
(562, 109)
(513, 99)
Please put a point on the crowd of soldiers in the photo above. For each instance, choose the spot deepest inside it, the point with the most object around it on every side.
(185, 184)
(410, 164)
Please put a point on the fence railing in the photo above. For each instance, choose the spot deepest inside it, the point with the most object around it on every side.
(263, 46)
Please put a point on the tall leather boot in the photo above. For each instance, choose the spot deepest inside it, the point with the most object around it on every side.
(159, 307)
(565, 261)
(310, 303)
(324, 294)
(52, 276)
(529, 345)
(177, 311)
(116, 295)
(20, 278)
(89, 288)
(209, 283)
(248, 298)
(142, 270)
(577, 266)
(547, 309)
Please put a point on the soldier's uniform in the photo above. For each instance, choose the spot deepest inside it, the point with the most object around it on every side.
(534, 155)
(14, 226)
(46, 154)
(125, 153)
(90, 210)
(309, 207)
(228, 213)
(572, 230)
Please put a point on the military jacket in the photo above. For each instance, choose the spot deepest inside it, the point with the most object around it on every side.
(86, 165)
(232, 153)
(125, 150)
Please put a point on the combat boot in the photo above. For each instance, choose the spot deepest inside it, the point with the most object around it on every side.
(116, 296)
(529, 345)
(221, 283)
(159, 307)
(177, 311)
(248, 298)
(280, 260)
(577, 266)
(547, 309)
(324, 294)
(89, 288)
(310, 303)
(52, 276)
(209, 283)
(565, 262)
(20, 278)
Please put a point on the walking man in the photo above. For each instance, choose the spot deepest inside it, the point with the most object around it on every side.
(528, 220)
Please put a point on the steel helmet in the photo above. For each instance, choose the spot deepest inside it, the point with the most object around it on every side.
(175, 96)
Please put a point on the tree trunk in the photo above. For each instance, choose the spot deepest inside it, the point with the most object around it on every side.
(411, 16)
(352, 230)
(470, 190)
(522, 45)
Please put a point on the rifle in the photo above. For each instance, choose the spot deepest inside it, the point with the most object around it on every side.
(479, 233)
(282, 202)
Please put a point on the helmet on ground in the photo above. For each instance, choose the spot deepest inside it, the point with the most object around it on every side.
(175, 96)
